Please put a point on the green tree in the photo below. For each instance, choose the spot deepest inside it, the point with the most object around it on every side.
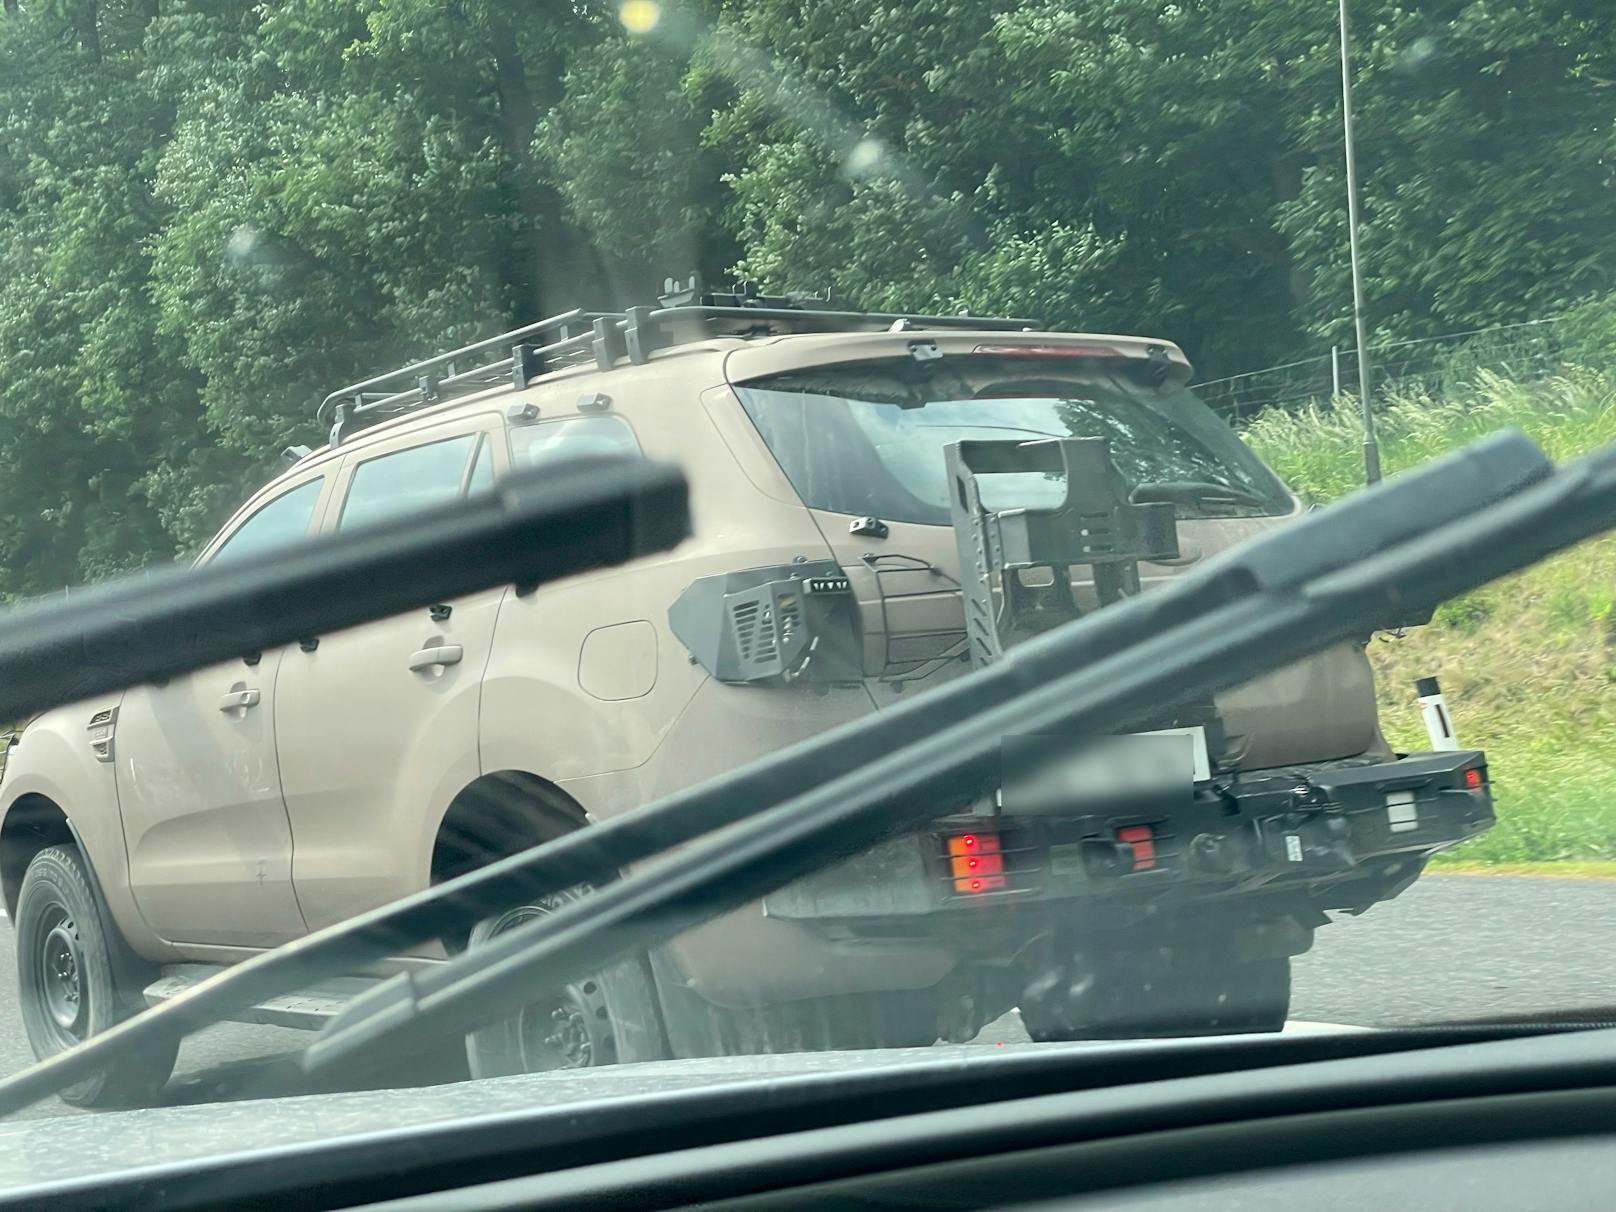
(93, 395)
(211, 214)
(1488, 160)
(1197, 144)
(1137, 152)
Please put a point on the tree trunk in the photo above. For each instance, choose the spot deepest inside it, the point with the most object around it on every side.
(11, 8)
(89, 29)
(564, 268)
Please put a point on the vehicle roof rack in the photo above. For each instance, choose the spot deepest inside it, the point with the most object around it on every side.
(687, 313)
(529, 352)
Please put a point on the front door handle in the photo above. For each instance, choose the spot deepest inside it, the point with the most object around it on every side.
(443, 654)
(239, 700)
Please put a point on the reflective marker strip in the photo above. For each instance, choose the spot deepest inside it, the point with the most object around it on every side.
(1434, 712)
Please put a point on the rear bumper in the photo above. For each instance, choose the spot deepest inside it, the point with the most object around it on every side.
(1324, 835)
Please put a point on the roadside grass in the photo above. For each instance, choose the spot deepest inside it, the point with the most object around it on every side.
(1528, 663)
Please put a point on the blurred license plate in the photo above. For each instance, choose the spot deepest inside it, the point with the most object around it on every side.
(1137, 772)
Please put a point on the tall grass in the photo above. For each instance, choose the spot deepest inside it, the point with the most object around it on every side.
(1529, 662)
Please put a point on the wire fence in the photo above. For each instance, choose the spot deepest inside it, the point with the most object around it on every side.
(1530, 350)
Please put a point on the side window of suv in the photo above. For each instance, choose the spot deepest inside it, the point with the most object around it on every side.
(283, 520)
(571, 437)
(407, 480)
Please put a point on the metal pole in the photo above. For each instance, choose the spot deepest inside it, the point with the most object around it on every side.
(1371, 451)
(1335, 372)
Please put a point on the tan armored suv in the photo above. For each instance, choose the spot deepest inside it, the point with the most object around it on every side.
(880, 503)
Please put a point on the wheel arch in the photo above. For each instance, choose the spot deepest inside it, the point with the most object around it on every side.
(32, 823)
(506, 812)
(35, 822)
(497, 815)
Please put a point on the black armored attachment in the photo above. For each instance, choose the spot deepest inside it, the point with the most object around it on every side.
(772, 624)
(1015, 564)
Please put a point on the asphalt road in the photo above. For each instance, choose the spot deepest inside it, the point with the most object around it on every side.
(1450, 947)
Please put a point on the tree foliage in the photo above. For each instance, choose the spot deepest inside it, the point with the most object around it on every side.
(212, 214)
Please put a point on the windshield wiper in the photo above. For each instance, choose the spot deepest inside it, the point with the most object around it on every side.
(1337, 538)
(1265, 604)
(1193, 492)
(536, 526)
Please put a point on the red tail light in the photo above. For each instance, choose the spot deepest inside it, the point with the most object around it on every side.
(1475, 778)
(974, 843)
(975, 862)
(1142, 842)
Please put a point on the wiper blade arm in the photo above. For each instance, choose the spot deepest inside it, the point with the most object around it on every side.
(1215, 646)
(1192, 492)
(1363, 524)
(535, 526)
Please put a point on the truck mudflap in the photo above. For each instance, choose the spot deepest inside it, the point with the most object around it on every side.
(1304, 827)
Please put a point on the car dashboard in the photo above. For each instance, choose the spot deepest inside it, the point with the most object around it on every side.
(1499, 1119)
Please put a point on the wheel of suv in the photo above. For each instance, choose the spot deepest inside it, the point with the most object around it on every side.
(595, 1021)
(1197, 993)
(65, 983)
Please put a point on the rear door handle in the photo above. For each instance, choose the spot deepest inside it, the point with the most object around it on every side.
(443, 654)
(239, 700)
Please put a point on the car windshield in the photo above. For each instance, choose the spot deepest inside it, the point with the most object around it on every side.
(800, 464)
(869, 439)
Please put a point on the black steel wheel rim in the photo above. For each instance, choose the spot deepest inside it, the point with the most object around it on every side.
(562, 1029)
(59, 975)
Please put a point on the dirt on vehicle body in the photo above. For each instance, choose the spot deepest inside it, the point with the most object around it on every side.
(880, 504)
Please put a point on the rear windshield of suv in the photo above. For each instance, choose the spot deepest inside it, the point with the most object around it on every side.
(867, 438)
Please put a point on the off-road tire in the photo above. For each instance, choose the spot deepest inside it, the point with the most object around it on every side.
(1198, 994)
(66, 988)
(599, 1020)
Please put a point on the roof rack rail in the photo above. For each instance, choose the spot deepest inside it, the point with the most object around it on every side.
(693, 293)
(695, 322)
(688, 313)
(566, 338)
(743, 310)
